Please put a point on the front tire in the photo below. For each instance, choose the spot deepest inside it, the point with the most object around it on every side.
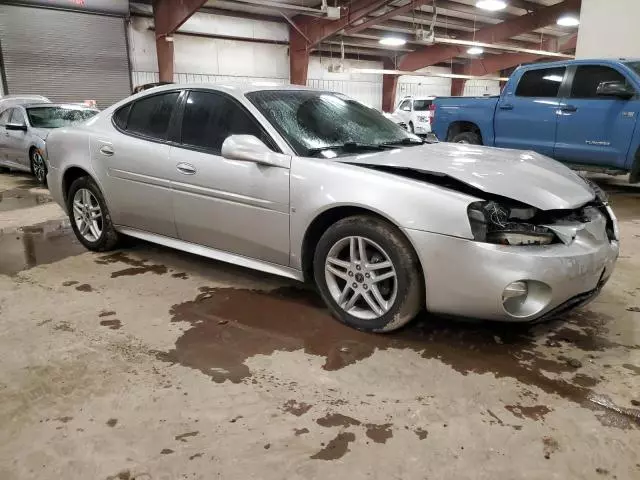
(89, 215)
(368, 274)
(468, 138)
(38, 165)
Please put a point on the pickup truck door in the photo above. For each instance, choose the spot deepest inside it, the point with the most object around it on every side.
(526, 116)
(594, 129)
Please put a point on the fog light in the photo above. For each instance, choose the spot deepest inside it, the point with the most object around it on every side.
(525, 298)
(515, 289)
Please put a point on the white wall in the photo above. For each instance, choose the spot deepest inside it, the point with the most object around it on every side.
(212, 60)
(609, 29)
(480, 87)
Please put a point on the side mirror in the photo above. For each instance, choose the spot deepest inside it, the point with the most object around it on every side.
(251, 149)
(615, 89)
(16, 126)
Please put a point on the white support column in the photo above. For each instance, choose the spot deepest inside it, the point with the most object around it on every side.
(609, 29)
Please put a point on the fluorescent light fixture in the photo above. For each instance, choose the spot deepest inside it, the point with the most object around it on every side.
(553, 78)
(392, 41)
(491, 5)
(568, 21)
(475, 51)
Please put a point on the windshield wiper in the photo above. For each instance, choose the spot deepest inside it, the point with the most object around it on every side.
(404, 141)
(351, 147)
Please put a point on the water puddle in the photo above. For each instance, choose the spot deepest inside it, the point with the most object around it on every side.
(17, 199)
(35, 245)
(230, 325)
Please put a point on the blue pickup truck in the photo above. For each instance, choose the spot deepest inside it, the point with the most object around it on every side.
(582, 112)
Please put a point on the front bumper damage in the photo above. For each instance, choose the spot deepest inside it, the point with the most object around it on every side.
(467, 278)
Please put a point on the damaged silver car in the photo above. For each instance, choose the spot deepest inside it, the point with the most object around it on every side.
(312, 185)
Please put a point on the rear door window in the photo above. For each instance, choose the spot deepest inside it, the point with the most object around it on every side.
(5, 116)
(209, 118)
(542, 83)
(588, 77)
(150, 116)
(421, 105)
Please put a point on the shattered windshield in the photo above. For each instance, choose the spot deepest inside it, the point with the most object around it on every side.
(328, 124)
(56, 117)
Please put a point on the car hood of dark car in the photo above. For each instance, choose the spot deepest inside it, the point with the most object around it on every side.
(524, 176)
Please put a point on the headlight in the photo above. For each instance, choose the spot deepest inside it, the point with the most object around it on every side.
(492, 222)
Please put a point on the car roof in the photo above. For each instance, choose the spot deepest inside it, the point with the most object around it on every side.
(232, 88)
(76, 106)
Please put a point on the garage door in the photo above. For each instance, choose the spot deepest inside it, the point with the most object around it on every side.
(66, 56)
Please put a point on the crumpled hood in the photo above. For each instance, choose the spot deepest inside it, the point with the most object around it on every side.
(525, 176)
(43, 133)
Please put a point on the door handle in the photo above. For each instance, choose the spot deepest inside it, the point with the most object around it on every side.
(506, 106)
(186, 168)
(569, 108)
(106, 150)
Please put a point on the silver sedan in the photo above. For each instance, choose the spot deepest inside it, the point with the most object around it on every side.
(24, 130)
(314, 186)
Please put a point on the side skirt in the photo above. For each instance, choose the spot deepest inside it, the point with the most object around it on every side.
(214, 254)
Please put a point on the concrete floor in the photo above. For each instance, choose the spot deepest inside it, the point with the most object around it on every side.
(155, 364)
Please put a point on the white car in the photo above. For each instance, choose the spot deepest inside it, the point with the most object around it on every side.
(416, 113)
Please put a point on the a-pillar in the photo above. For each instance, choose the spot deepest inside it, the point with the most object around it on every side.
(607, 30)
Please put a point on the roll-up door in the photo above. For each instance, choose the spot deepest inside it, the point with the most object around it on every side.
(65, 56)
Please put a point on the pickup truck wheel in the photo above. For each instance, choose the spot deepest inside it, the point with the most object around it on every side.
(467, 137)
(411, 129)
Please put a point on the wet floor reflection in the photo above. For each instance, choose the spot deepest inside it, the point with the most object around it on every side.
(37, 245)
(17, 198)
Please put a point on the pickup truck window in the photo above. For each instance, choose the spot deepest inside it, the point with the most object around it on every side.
(588, 77)
(406, 106)
(542, 83)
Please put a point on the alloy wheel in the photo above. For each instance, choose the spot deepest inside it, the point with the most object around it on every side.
(361, 277)
(39, 167)
(87, 215)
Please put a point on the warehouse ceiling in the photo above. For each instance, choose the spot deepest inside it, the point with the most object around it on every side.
(523, 25)
(411, 19)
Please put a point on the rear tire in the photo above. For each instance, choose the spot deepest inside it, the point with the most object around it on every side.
(468, 138)
(411, 129)
(342, 272)
(89, 215)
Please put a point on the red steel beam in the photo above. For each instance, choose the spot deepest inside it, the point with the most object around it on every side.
(318, 29)
(505, 61)
(306, 32)
(495, 63)
(168, 16)
(496, 33)
(387, 16)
